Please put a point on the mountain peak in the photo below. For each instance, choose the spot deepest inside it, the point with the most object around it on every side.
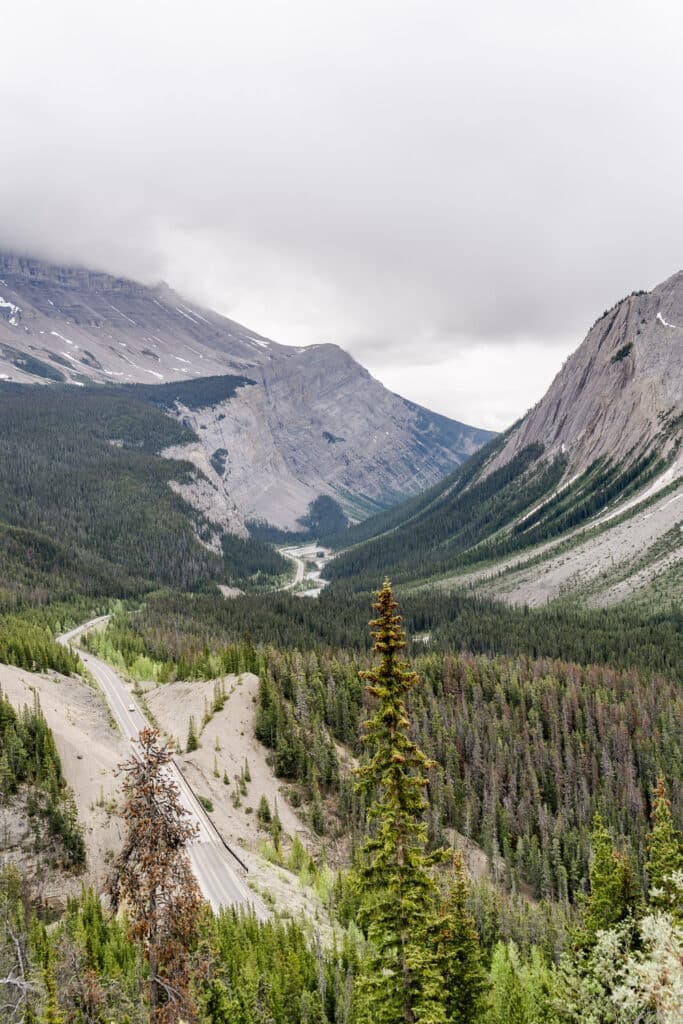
(615, 391)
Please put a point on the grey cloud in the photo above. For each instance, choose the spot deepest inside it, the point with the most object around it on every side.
(410, 180)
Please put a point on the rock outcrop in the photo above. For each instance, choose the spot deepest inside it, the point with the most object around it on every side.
(583, 496)
(615, 394)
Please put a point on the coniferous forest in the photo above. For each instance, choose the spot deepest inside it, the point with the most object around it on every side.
(566, 776)
(544, 746)
(491, 794)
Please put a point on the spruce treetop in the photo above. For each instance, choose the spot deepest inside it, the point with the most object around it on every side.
(402, 982)
(665, 852)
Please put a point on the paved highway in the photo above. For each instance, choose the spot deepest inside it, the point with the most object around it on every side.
(295, 556)
(300, 556)
(216, 870)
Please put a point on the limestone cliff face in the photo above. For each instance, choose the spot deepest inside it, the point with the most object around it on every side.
(316, 422)
(615, 393)
(310, 420)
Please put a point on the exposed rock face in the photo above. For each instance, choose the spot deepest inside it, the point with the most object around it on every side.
(317, 422)
(612, 395)
(92, 326)
(311, 421)
(618, 396)
(542, 528)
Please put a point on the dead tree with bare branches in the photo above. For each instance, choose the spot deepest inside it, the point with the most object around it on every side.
(152, 878)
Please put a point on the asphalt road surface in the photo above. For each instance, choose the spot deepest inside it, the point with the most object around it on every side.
(294, 555)
(301, 555)
(216, 870)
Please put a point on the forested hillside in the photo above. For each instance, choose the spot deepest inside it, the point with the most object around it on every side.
(87, 496)
(528, 749)
(479, 519)
(28, 643)
(555, 770)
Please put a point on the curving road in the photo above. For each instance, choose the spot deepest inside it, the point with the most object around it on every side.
(300, 555)
(294, 555)
(215, 868)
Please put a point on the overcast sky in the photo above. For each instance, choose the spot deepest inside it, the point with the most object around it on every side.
(451, 191)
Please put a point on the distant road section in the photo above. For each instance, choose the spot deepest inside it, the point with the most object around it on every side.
(308, 553)
(295, 556)
(216, 870)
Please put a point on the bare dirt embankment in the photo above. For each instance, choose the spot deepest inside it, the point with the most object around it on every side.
(89, 750)
(227, 745)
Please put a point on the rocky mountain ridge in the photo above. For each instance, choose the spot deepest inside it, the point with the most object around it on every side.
(616, 392)
(583, 496)
(304, 422)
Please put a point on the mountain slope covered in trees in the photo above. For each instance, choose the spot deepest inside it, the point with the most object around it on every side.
(86, 506)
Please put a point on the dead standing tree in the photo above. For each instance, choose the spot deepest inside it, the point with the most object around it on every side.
(152, 878)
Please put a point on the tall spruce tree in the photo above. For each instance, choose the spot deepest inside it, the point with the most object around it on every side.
(459, 955)
(665, 853)
(507, 993)
(401, 982)
(614, 891)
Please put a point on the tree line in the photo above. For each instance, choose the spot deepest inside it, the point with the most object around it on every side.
(31, 646)
(171, 626)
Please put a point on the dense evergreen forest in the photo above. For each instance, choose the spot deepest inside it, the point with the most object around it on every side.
(29, 644)
(171, 625)
(86, 968)
(79, 469)
(526, 750)
(559, 769)
(35, 570)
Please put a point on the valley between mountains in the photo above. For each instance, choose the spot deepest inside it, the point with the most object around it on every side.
(193, 523)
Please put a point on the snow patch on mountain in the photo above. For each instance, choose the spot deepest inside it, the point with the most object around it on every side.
(4, 304)
(665, 323)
